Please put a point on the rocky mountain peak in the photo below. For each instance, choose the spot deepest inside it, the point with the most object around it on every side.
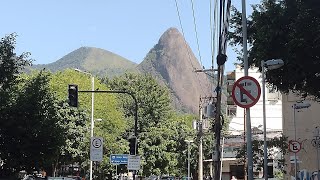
(173, 63)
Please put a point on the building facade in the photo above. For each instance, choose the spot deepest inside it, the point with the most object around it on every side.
(231, 165)
(302, 126)
(273, 105)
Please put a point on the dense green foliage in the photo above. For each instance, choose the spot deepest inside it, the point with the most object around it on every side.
(153, 99)
(161, 131)
(106, 107)
(288, 30)
(162, 147)
(38, 129)
(35, 127)
(30, 130)
(10, 64)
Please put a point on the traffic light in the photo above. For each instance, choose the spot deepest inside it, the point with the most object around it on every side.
(73, 95)
(132, 145)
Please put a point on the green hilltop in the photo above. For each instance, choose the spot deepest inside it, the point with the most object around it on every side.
(95, 60)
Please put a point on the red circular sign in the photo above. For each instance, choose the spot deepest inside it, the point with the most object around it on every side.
(246, 92)
(294, 146)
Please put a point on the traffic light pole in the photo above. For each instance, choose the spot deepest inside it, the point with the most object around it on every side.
(92, 122)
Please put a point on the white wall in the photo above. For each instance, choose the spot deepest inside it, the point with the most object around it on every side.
(273, 107)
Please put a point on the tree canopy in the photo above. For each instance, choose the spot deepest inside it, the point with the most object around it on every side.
(36, 128)
(39, 130)
(287, 30)
(153, 99)
(30, 130)
(161, 131)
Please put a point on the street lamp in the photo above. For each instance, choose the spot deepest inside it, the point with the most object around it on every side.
(92, 107)
(189, 142)
(300, 105)
(270, 65)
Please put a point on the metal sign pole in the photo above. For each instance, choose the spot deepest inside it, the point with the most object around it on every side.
(246, 67)
(295, 138)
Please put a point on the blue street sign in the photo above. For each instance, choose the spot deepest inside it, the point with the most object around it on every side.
(119, 158)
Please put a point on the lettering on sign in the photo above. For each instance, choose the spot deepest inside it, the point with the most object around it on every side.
(133, 162)
(96, 149)
(246, 92)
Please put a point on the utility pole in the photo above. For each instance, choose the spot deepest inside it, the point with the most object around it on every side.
(204, 116)
(221, 59)
(200, 161)
(217, 132)
(200, 123)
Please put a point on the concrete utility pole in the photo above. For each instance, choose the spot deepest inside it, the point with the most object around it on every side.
(200, 123)
(200, 163)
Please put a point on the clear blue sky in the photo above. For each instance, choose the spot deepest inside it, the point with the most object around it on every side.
(50, 29)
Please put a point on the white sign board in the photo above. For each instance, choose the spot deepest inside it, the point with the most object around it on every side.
(96, 149)
(133, 162)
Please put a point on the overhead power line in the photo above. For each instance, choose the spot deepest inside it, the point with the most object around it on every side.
(189, 54)
(196, 32)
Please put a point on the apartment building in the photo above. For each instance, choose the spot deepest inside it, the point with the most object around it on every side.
(231, 165)
(273, 105)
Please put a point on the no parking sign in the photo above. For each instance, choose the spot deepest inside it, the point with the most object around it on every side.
(246, 92)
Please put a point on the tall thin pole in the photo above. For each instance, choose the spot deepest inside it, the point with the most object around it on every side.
(246, 68)
(188, 160)
(265, 154)
(222, 149)
(114, 91)
(200, 163)
(317, 144)
(295, 138)
(244, 142)
(316, 134)
(92, 120)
